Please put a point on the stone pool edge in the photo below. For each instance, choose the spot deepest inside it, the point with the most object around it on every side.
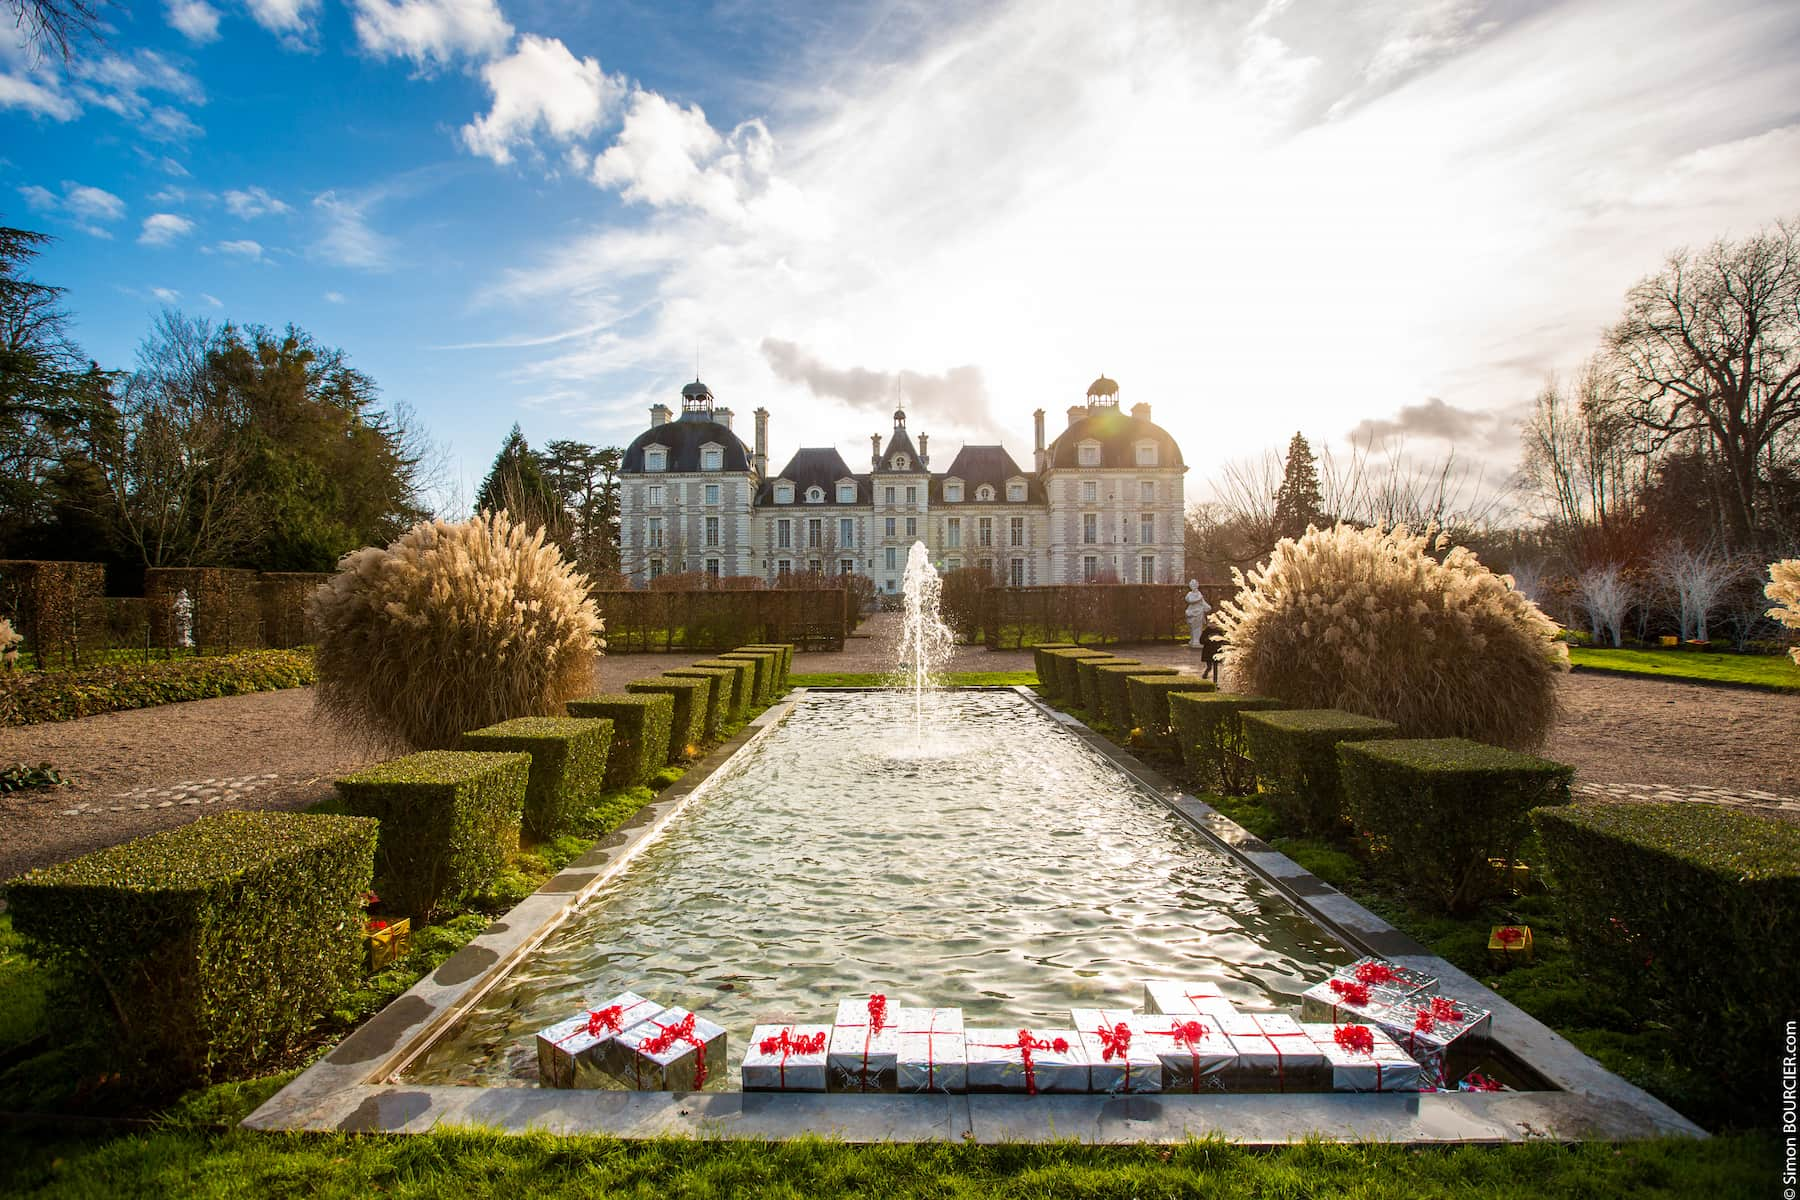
(354, 1088)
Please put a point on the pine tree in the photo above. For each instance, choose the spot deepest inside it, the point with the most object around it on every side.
(1297, 502)
(517, 484)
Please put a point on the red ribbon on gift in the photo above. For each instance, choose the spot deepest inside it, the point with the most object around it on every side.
(877, 1014)
(1355, 1038)
(1274, 1045)
(877, 1021)
(1354, 994)
(1509, 935)
(1445, 1010)
(681, 1031)
(1116, 1040)
(1376, 973)
(1186, 1035)
(930, 1031)
(805, 1043)
(1477, 1082)
(599, 1021)
(1025, 1045)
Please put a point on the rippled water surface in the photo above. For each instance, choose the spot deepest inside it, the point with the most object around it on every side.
(1002, 867)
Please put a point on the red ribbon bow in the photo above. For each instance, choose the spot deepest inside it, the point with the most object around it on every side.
(376, 925)
(1355, 1038)
(599, 1021)
(1025, 1045)
(1116, 1040)
(1354, 994)
(1376, 972)
(1477, 1082)
(1509, 934)
(805, 1043)
(681, 1031)
(1445, 1010)
(877, 1013)
(1188, 1035)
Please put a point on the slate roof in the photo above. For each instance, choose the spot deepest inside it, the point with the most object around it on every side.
(1118, 434)
(820, 466)
(900, 442)
(976, 465)
(683, 439)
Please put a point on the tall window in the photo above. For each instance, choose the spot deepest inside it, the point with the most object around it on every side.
(1146, 491)
(891, 558)
(986, 530)
(656, 568)
(712, 567)
(1090, 528)
(784, 533)
(1018, 572)
(846, 566)
(1015, 532)
(846, 532)
(712, 531)
(653, 495)
(815, 533)
(888, 495)
(1146, 529)
(1147, 569)
(784, 567)
(1090, 568)
(710, 459)
(816, 567)
(887, 526)
(953, 532)
(1090, 491)
(912, 495)
(912, 527)
(656, 532)
(712, 493)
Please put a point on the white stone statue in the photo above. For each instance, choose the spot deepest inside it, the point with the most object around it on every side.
(1197, 608)
(184, 620)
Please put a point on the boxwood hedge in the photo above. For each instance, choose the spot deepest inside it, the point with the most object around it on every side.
(216, 945)
(719, 682)
(31, 697)
(568, 764)
(1088, 688)
(1040, 661)
(1066, 690)
(449, 819)
(1115, 696)
(1686, 911)
(742, 675)
(784, 662)
(766, 664)
(1209, 730)
(640, 733)
(687, 728)
(1295, 757)
(1150, 704)
(1441, 807)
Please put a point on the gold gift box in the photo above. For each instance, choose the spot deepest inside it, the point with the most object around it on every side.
(388, 945)
(1509, 950)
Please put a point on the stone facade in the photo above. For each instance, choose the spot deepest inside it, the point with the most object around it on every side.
(1103, 501)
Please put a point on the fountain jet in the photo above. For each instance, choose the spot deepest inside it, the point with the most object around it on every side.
(925, 641)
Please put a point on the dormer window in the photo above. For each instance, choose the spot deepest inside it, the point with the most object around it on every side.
(952, 493)
(984, 493)
(1146, 454)
(1015, 491)
(1087, 454)
(898, 462)
(815, 495)
(711, 458)
(784, 493)
(846, 493)
(656, 459)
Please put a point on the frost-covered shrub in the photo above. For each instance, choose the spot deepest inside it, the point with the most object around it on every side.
(1368, 621)
(453, 627)
(1784, 589)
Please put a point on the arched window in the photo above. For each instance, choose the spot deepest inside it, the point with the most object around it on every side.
(815, 495)
(984, 492)
(899, 462)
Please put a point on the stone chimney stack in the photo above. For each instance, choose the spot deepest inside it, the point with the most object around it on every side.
(1141, 411)
(1076, 412)
(762, 442)
(722, 416)
(659, 414)
(924, 449)
(1037, 440)
(875, 450)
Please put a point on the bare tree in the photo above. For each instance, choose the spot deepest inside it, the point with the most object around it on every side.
(1606, 595)
(1580, 460)
(1709, 349)
(1393, 488)
(58, 26)
(1695, 579)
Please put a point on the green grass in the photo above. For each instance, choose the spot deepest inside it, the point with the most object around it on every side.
(956, 679)
(1773, 671)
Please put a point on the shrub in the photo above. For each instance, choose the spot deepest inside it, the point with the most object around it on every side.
(763, 665)
(1209, 730)
(718, 682)
(784, 664)
(1687, 911)
(737, 700)
(56, 607)
(216, 945)
(451, 628)
(687, 725)
(640, 733)
(1040, 661)
(449, 819)
(1784, 590)
(32, 697)
(1295, 753)
(1066, 688)
(1115, 694)
(1088, 688)
(1150, 703)
(568, 764)
(1442, 807)
(1367, 621)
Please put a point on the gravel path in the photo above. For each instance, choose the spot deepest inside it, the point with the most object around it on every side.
(152, 769)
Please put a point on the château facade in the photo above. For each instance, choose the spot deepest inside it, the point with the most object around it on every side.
(1103, 500)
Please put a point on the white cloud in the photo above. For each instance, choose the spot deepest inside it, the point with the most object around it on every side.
(166, 295)
(252, 202)
(37, 95)
(160, 229)
(335, 298)
(195, 20)
(290, 20)
(241, 248)
(540, 84)
(89, 209)
(212, 300)
(432, 32)
(667, 155)
(348, 239)
(164, 124)
(118, 82)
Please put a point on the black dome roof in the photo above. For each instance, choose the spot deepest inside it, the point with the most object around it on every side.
(1118, 434)
(695, 390)
(683, 440)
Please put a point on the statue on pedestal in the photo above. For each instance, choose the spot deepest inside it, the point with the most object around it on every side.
(1197, 608)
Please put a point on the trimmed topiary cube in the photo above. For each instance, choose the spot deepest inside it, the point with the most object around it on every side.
(449, 819)
(216, 945)
(719, 682)
(1686, 912)
(687, 728)
(1040, 661)
(1150, 704)
(568, 764)
(1295, 752)
(742, 675)
(786, 663)
(1115, 695)
(1062, 668)
(1209, 730)
(640, 733)
(1089, 688)
(1444, 806)
(767, 665)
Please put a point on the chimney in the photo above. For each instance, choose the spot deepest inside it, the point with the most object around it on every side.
(875, 450)
(722, 416)
(1037, 440)
(762, 441)
(924, 448)
(659, 415)
(1140, 412)
(1076, 412)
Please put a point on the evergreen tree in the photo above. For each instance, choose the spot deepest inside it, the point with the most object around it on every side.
(516, 483)
(1297, 502)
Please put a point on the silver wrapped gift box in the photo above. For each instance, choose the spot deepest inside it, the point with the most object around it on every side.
(1439, 1033)
(1364, 1061)
(1195, 1053)
(864, 1051)
(1118, 1059)
(1389, 975)
(785, 1058)
(931, 1052)
(577, 1052)
(1179, 997)
(1274, 1055)
(674, 1051)
(1026, 1060)
(1338, 1000)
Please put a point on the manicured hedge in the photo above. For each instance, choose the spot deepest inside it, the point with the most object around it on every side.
(449, 819)
(1209, 730)
(786, 651)
(765, 665)
(1295, 757)
(1040, 661)
(1441, 807)
(568, 764)
(719, 682)
(33, 697)
(1150, 703)
(1686, 911)
(737, 704)
(1115, 696)
(1062, 674)
(216, 945)
(640, 733)
(687, 728)
(1087, 688)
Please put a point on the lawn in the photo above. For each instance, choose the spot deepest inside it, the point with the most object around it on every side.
(1773, 671)
(957, 679)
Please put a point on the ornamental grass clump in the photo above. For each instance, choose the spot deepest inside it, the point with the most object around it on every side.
(453, 627)
(1784, 589)
(1368, 621)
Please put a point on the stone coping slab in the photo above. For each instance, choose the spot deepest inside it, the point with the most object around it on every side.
(358, 1086)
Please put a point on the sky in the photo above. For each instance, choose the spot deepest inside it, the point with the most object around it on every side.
(1367, 221)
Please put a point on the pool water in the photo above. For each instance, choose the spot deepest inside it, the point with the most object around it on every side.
(1002, 866)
